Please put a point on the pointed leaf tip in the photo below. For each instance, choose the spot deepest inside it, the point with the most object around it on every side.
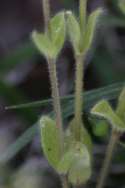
(50, 44)
(42, 43)
(121, 105)
(90, 29)
(103, 109)
(58, 31)
(73, 31)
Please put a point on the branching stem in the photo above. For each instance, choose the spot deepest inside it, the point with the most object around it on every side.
(111, 146)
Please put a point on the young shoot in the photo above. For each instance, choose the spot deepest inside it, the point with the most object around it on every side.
(117, 121)
(50, 44)
(81, 31)
(68, 155)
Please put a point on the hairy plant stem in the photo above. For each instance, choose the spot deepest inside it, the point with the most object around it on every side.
(79, 82)
(56, 100)
(82, 19)
(111, 146)
(78, 95)
(53, 79)
(82, 14)
(46, 13)
(54, 87)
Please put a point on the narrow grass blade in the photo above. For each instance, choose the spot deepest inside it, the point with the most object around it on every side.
(22, 141)
(107, 92)
(91, 97)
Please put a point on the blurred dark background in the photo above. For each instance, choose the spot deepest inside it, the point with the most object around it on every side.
(24, 78)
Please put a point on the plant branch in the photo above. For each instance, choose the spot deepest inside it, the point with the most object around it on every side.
(46, 13)
(56, 98)
(82, 14)
(78, 95)
(111, 146)
(79, 83)
(53, 79)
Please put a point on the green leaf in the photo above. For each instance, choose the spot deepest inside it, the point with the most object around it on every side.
(84, 135)
(50, 140)
(79, 174)
(66, 162)
(73, 31)
(42, 42)
(80, 170)
(121, 105)
(57, 32)
(51, 44)
(76, 164)
(86, 139)
(90, 28)
(100, 128)
(104, 110)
